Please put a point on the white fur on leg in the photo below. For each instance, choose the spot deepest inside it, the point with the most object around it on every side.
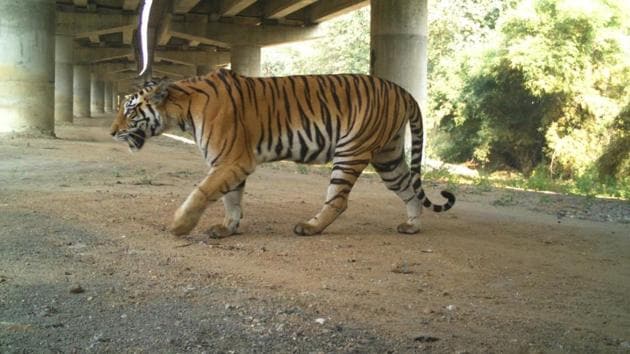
(189, 213)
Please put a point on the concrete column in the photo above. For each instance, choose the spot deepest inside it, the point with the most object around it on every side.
(203, 69)
(81, 91)
(114, 96)
(108, 97)
(63, 78)
(246, 60)
(27, 66)
(97, 95)
(399, 44)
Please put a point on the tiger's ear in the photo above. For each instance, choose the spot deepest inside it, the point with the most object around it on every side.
(159, 94)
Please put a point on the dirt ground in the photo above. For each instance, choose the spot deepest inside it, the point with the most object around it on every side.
(86, 263)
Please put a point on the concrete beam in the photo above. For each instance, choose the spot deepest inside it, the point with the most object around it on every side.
(234, 7)
(130, 5)
(105, 68)
(228, 34)
(113, 71)
(193, 58)
(281, 8)
(197, 38)
(104, 31)
(84, 55)
(169, 73)
(81, 22)
(184, 6)
(327, 9)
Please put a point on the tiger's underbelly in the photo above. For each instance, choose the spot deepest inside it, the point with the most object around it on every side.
(297, 147)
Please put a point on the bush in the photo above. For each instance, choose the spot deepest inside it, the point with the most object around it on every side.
(547, 89)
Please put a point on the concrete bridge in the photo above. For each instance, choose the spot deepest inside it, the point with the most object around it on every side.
(65, 58)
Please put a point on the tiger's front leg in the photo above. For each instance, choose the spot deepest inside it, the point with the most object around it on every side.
(220, 181)
(344, 175)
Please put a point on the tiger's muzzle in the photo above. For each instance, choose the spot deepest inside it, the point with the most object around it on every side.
(134, 137)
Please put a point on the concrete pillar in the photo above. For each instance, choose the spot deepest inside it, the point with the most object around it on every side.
(81, 91)
(203, 69)
(114, 96)
(97, 95)
(27, 66)
(246, 60)
(63, 78)
(108, 106)
(399, 44)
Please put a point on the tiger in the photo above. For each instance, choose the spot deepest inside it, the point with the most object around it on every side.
(239, 122)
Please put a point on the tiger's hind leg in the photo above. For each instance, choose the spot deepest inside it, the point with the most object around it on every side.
(390, 164)
(344, 175)
(233, 214)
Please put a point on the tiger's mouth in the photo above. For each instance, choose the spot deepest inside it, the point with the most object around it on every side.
(135, 138)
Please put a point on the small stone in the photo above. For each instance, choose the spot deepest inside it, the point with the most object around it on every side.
(451, 307)
(77, 289)
(426, 339)
(320, 320)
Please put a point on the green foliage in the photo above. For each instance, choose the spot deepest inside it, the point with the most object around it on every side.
(343, 48)
(615, 161)
(543, 93)
(301, 169)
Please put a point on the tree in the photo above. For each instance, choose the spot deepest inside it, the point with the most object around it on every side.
(344, 48)
(546, 90)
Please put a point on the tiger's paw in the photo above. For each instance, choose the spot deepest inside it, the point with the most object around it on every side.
(181, 229)
(407, 228)
(304, 229)
(183, 223)
(220, 231)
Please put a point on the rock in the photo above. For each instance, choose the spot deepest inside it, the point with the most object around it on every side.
(426, 339)
(320, 320)
(77, 289)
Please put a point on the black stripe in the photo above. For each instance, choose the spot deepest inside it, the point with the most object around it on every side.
(340, 181)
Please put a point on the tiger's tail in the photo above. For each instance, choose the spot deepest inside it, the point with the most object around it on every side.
(415, 122)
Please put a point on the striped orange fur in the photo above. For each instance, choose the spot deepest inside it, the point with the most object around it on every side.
(239, 122)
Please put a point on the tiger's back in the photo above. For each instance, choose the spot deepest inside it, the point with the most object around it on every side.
(309, 119)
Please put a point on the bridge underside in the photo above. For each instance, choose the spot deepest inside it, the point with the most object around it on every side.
(69, 58)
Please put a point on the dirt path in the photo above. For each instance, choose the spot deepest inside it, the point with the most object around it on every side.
(86, 263)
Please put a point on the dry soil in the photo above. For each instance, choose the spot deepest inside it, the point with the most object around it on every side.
(86, 263)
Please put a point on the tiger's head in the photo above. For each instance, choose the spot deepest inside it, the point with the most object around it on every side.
(140, 115)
